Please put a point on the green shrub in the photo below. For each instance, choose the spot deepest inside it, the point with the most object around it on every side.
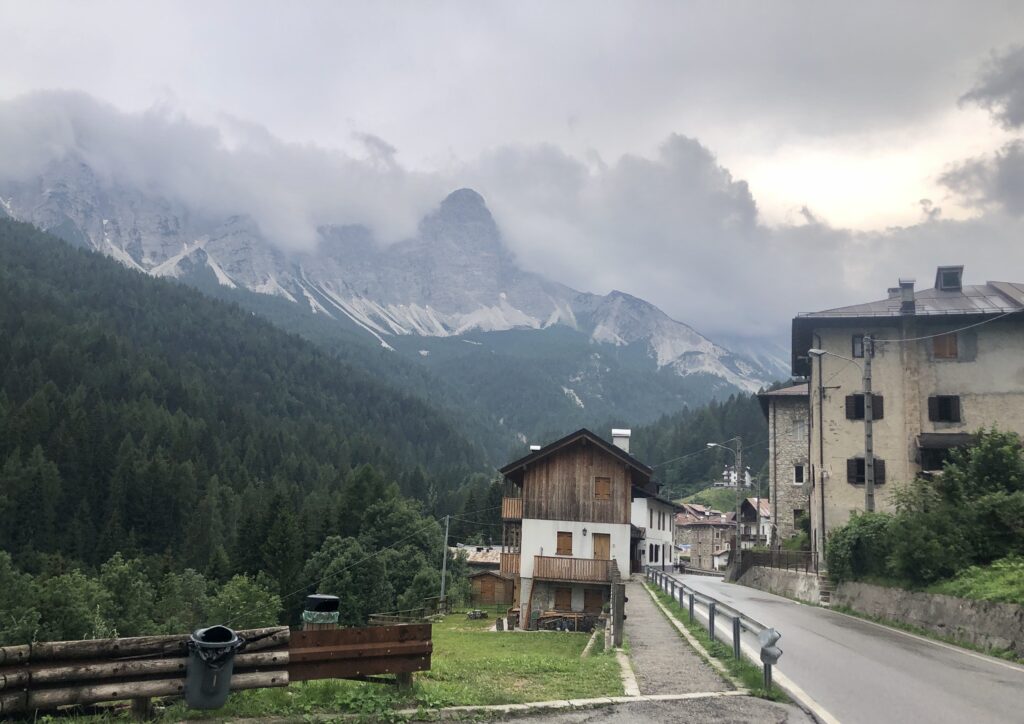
(1003, 582)
(860, 548)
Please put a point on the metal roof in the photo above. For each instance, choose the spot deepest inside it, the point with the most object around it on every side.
(977, 300)
(989, 298)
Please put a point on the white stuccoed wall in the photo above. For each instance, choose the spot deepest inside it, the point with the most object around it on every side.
(640, 517)
(540, 539)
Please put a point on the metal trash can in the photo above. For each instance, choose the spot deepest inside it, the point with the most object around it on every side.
(321, 611)
(211, 660)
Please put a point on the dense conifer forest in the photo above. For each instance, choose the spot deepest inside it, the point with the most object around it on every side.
(145, 425)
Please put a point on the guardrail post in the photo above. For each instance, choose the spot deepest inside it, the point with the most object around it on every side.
(711, 621)
(691, 608)
(736, 637)
(767, 677)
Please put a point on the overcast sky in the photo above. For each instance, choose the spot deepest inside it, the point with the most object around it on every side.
(734, 163)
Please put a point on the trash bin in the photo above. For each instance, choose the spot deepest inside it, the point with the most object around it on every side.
(320, 612)
(211, 660)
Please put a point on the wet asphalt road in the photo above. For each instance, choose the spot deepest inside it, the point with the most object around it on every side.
(861, 672)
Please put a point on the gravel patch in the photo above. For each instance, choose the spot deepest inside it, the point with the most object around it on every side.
(662, 660)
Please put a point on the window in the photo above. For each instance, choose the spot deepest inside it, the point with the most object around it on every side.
(857, 346)
(602, 488)
(855, 407)
(944, 408)
(653, 557)
(650, 524)
(944, 346)
(564, 547)
(799, 430)
(855, 471)
(798, 513)
(798, 474)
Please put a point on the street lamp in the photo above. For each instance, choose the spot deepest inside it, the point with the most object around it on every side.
(738, 460)
(869, 447)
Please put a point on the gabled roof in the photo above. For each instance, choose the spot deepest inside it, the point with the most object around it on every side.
(571, 439)
(795, 392)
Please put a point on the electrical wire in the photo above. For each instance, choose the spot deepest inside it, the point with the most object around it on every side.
(952, 331)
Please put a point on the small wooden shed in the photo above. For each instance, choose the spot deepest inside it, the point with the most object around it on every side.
(491, 588)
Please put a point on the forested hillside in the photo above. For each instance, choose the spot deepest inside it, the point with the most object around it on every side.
(682, 439)
(138, 416)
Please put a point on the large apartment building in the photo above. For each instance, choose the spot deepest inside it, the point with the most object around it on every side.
(946, 361)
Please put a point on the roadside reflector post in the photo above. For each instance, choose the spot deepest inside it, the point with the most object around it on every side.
(711, 621)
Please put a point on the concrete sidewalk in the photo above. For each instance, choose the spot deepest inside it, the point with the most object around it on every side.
(663, 662)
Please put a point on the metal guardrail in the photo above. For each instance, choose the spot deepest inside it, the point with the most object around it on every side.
(689, 598)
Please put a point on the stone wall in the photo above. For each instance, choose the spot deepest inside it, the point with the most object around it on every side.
(981, 623)
(791, 584)
(787, 448)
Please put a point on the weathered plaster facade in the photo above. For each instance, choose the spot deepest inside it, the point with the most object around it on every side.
(789, 470)
(986, 375)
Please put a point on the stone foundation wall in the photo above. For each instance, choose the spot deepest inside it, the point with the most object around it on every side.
(791, 584)
(981, 623)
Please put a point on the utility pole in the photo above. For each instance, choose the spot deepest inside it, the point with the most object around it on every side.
(740, 479)
(444, 559)
(869, 443)
(757, 532)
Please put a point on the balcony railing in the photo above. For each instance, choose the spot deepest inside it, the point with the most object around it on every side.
(589, 570)
(509, 564)
(511, 508)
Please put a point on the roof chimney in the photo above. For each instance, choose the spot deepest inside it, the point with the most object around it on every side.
(620, 438)
(907, 305)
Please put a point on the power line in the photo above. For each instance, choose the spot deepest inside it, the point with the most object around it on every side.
(952, 331)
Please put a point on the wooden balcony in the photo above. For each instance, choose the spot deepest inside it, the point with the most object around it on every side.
(585, 570)
(509, 564)
(511, 508)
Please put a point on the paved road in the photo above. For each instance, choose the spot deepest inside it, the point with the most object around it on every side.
(662, 660)
(861, 672)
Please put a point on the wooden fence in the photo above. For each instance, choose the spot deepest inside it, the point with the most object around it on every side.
(47, 675)
(587, 570)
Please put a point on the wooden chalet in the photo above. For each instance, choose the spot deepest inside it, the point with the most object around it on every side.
(566, 526)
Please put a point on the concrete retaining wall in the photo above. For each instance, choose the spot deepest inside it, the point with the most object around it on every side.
(981, 623)
(791, 584)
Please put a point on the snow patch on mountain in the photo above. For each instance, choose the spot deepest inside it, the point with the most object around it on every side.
(571, 394)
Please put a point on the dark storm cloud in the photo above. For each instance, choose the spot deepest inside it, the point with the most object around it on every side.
(1000, 89)
(992, 181)
(674, 226)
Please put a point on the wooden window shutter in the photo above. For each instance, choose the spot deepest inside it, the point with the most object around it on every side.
(944, 346)
(879, 471)
(851, 407)
(877, 407)
(602, 488)
(564, 547)
(954, 409)
(851, 470)
(933, 408)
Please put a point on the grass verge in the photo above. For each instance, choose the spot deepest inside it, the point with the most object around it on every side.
(470, 666)
(925, 633)
(748, 674)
